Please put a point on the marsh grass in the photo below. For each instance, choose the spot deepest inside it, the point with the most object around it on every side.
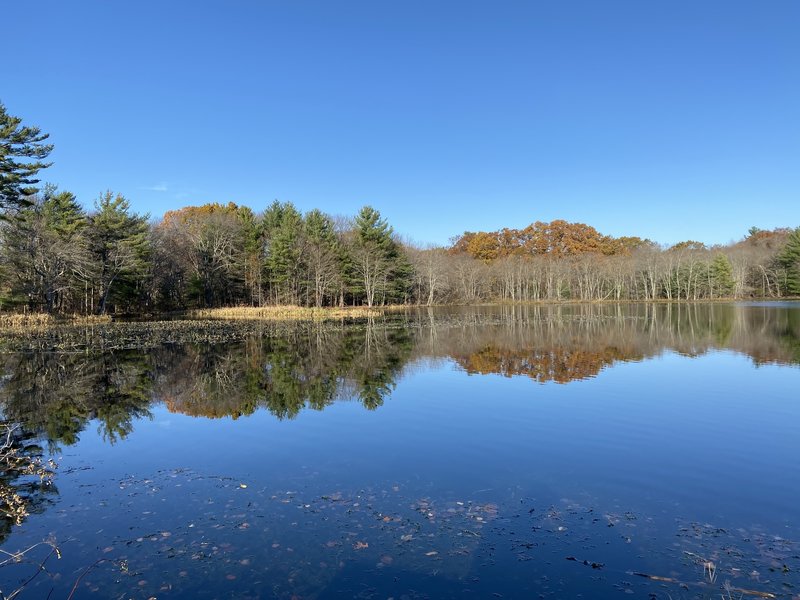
(21, 322)
(25, 320)
(284, 313)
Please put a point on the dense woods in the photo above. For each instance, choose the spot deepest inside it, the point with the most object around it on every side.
(57, 257)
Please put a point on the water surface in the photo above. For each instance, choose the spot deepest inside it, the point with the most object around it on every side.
(552, 451)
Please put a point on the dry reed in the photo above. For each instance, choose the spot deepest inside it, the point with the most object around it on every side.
(285, 313)
(40, 321)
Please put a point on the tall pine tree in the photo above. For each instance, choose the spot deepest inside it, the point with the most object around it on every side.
(322, 255)
(120, 246)
(720, 275)
(381, 272)
(21, 153)
(285, 256)
(789, 259)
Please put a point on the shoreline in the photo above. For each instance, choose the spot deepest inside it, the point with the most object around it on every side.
(12, 322)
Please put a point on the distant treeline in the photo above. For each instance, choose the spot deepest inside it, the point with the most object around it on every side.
(58, 258)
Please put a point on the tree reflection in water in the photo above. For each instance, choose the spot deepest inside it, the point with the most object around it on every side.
(55, 395)
(51, 397)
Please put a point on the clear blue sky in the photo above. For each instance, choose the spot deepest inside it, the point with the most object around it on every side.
(669, 120)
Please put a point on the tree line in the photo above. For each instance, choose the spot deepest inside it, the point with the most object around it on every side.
(561, 260)
(57, 257)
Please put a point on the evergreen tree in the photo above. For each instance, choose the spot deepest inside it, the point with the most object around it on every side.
(285, 254)
(21, 154)
(120, 245)
(381, 271)
(322, 255)
(251, 234)
(789, 260)
(44, 250)
(720, 274)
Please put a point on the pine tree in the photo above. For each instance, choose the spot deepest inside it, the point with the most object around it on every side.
(381, 270)
(789, 259)
(285, 252)
(44, 250)
(120, 245)
(322, 252)
(251, 233)
(21, 154)
(720, 274)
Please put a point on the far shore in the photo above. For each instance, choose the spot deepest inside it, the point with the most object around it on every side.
(33, 321)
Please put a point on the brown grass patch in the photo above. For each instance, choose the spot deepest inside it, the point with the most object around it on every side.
(21, 322)
(285, 313)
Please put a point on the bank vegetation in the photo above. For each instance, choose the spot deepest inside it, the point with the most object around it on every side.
(56, 259)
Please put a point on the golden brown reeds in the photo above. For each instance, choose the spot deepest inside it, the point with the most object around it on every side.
(25, 320)
(37, 321)
(285, 313)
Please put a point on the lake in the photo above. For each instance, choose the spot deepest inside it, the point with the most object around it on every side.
(572, 451)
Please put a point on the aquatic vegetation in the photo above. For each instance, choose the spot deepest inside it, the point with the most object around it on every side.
(316, 545)
(285, 313)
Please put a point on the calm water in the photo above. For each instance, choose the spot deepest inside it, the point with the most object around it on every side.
(554, 452)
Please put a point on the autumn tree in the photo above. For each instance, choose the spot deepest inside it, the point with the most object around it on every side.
(431, 274)
(21, 153)
(208, 241)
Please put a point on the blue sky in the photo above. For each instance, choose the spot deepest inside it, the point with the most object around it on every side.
(670, 120)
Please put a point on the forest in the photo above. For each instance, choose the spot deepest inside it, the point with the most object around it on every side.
(57, 257)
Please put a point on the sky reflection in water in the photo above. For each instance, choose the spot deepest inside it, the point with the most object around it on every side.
(457, 453)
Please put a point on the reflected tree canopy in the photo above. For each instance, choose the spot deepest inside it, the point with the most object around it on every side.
(55, 395)
(283, 374)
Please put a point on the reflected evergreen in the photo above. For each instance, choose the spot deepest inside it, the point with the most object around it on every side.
(285, 374)
(55, 395)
